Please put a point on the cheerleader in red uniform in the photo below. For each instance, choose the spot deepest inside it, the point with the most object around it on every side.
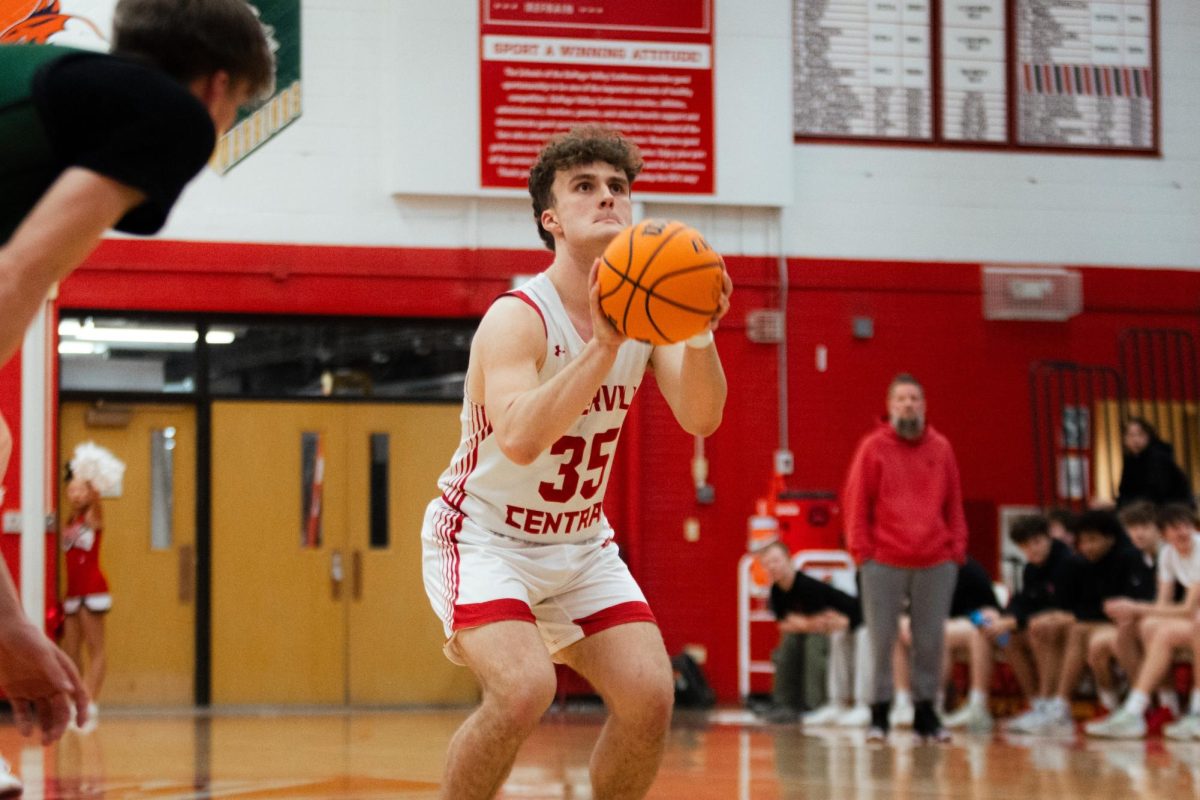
(92, 472)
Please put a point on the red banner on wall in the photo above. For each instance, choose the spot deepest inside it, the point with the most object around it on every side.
(642, 68)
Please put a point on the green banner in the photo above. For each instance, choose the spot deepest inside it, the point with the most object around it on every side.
(257, 124)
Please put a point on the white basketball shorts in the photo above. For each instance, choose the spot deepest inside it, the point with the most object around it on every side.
(475, 577)
(96, 603)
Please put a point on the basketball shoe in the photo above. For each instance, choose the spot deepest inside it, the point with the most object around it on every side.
(975, 718)
(1185, 730)
(926, 725)
(1120, 724)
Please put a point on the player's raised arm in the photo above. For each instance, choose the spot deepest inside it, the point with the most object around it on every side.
(58, 234)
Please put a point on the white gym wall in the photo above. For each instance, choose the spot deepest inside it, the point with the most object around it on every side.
(386, 154)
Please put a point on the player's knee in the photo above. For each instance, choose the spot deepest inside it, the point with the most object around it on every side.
(524, 696)
(646, 703)
(1043, 631)
(525, 705)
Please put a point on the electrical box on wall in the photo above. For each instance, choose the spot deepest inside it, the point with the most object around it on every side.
(863, 327)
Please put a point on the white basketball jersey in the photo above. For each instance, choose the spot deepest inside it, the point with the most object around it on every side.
(558, 497)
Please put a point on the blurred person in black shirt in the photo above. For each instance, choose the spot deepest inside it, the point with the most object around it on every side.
(804, 605)
(1112, 567)
(1037, 615)
(1149, 471)
(94, 141)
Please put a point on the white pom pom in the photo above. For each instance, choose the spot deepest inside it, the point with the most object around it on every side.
(98, 466)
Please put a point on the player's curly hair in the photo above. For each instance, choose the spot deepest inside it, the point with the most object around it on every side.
(189, 39)
(583, 145)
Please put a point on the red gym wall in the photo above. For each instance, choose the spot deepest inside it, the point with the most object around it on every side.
(10, 407)
(927, 320)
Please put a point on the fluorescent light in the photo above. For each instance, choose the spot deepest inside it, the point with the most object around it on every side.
(80, 348)
(143, 335)
(177, 336)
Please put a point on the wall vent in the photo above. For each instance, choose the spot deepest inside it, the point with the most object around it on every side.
(1049, 294)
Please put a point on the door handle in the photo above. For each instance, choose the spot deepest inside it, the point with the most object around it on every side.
(356, 575)
(337, 574)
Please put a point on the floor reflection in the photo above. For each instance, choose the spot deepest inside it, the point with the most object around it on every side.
(368, 755)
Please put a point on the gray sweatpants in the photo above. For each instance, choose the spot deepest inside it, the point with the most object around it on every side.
(928, 593)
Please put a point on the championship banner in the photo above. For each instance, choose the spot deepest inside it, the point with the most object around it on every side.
(645, 69)
(87, 24)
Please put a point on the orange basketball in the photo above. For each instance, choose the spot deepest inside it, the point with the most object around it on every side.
(660, 282)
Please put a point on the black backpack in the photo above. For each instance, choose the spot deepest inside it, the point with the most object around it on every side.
(691, 687)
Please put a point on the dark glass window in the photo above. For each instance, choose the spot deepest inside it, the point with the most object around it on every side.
(128, 354)
(400, 359)
(379, 480)
(385, 359)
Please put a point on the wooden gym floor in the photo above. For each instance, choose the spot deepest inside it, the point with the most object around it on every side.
(368, 755)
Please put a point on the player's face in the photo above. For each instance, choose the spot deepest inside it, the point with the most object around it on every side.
(1136, 438)
(906, 409)
(1179, 536)
(80, 493)
(591, 205)
(1093, 545)
(1145, 537)
(225, 109)
(1036, 550)
(777, 565)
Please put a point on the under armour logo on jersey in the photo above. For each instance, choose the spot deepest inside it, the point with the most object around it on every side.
(558, 351)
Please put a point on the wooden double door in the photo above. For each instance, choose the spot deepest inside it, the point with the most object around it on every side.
(316, 589)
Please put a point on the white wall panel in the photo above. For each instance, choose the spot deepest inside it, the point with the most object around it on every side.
(386, 154)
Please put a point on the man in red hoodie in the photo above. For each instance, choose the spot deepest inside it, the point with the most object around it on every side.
(905, 528)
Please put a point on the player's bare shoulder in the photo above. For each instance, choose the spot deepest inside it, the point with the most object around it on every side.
(511, 334)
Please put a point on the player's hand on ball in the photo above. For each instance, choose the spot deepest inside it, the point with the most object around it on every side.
(603, 331)
(726, 291)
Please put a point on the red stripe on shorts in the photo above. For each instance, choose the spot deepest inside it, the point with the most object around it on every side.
(621, 613)
(472, 615)
(446, 529)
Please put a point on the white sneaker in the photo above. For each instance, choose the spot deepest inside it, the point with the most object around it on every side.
(901, 715)
(856, 717)
(1118, 725)
(1184, 730)
(974, 718)
(825, 715)
(10, 785)
(1027, 722)
(1056, 720)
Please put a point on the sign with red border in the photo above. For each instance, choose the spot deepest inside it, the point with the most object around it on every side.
(645, 69)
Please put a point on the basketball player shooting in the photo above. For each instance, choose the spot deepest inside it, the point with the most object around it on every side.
(519, 561)
(95, 141)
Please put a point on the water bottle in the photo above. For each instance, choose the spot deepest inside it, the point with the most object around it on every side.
(980, 621)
